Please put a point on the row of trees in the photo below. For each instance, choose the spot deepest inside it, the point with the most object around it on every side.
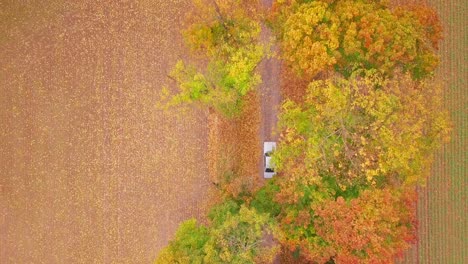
(351, 152)
(349, 159)
(225, 35)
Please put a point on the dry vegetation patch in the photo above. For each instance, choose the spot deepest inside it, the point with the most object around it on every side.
(234, 149)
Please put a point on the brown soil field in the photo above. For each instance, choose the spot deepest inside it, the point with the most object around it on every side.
(90, 170)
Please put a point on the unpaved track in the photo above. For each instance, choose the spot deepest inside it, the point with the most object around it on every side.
(269, 91)
(90, 170)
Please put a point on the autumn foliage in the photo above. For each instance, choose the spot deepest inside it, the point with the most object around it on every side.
(354, 143)
(373, 228)
(218, 27)
(235, 235)
(233, 145)
(370, 130)
(352, 152)
(343, 35)
(225, 33)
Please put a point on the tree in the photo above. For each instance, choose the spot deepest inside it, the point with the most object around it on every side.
(227, 35)
(217, 27)
(222, 87)
(238, 237)
(236, 234)
(430, 30)
(373, 228)
(343, 35)
(187, 246)
(367, 130)
(351, 146)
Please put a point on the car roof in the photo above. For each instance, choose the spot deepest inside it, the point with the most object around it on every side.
(268, 146)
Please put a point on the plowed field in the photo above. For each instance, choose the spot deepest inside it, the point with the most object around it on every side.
(442, 208)
(90, 170)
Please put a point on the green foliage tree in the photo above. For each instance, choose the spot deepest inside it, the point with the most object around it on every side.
(222, 86)
(238, 237)
(264, 199)
(236, 234)
(187, 246)
(343, 35)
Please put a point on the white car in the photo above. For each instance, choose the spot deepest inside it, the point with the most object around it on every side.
(268, 168)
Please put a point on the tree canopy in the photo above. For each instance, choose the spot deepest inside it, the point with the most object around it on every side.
(236, 234)
(219, 27)
(372, 228)
(353, 152)
(368, 130)
(187, 246)
(343, 35)
(225, 32)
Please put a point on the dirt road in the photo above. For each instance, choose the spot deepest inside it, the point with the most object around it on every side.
(269, 90)
(91, 171)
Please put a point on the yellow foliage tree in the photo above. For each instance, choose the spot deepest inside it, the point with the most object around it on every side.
(343, 35)
(226, 33)
(370, 130)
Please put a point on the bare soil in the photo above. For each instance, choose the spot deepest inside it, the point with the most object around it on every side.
(90, 170)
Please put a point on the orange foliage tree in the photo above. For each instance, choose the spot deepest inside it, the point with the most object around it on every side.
(343, 35)
(373, 228)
